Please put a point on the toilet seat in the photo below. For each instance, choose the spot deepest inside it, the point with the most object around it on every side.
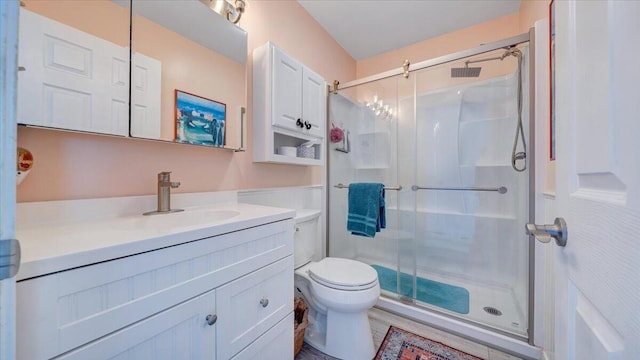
(343, 274)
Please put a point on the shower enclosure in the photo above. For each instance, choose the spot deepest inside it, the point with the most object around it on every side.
(451, 143)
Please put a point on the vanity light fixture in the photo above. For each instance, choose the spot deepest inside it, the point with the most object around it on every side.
(233, 12)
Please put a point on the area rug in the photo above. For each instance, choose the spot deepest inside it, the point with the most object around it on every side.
(446, 296)
(400, 344)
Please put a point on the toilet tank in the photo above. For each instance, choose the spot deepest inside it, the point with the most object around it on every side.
(306, 236)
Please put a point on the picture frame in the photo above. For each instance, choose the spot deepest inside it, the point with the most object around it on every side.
(552, 82)
(199, 121)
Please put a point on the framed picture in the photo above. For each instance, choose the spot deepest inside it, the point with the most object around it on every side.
(552, 82)
(199, 120)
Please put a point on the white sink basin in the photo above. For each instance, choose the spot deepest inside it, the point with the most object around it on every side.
(187, 218)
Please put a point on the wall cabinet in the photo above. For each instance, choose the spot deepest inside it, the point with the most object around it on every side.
(213, 298)
(289, 107)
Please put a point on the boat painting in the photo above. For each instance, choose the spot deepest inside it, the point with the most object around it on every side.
(199, 120)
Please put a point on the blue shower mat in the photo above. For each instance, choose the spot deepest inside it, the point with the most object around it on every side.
(446, 296)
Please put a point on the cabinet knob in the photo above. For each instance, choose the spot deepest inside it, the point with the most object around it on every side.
(211, 319)
(299, 123)
(264, 302)
(307, 125)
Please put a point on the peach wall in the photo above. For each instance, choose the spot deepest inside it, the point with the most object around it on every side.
(73, 166)
(463, 39)
(111, 21)
(191, 67)
(532, 11)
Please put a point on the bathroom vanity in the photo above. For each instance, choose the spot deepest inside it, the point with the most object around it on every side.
(211, 283)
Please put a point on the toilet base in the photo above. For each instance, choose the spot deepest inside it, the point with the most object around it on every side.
(349, 335)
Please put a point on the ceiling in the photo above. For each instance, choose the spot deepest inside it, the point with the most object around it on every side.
(365, 28)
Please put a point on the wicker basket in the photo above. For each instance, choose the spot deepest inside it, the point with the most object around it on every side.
(301, 321)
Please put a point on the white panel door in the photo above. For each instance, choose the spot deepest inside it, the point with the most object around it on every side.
(146, 78)
(287, 90)
(8, 67)
(72, 80)
(598, 179)
(314, 102)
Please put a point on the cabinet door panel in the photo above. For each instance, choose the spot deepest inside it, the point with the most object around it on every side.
(242, 311)
(277, 343)
(314, 102)
(287, 91)
(180, 332)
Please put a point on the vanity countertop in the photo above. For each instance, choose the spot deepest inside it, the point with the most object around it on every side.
(48, 248)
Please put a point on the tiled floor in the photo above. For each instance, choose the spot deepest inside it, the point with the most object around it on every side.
(381, 320)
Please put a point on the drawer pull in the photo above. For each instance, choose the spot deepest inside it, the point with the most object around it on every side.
(211, 319)
(264, 302)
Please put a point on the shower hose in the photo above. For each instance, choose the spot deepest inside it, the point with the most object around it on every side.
(521, 155)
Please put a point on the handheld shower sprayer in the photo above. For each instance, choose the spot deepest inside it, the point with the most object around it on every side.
(467, 71)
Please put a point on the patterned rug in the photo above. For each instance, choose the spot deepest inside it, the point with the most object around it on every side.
(400, 344)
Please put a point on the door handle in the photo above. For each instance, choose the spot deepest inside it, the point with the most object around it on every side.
(544, 233)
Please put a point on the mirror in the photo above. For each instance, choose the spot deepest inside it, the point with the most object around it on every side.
(188, 74)
(73, 59)
(75, 70)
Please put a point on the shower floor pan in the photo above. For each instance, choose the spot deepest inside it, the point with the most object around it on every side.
(453, 298)
(485, 301)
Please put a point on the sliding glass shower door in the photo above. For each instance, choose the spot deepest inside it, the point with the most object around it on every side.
(447, 143)
(369, 119)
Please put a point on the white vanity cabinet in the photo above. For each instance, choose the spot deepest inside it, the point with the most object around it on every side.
(289, 106)
(221, 297)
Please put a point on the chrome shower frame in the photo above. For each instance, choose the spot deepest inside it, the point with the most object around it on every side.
(529, 38)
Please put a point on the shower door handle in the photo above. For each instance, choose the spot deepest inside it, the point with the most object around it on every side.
(544, 233)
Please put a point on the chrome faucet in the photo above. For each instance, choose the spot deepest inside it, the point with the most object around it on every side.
(164, 194)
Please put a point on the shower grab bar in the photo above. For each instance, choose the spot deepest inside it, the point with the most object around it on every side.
(343, 186)
(500, 189)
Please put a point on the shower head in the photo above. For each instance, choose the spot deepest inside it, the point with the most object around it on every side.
(466, 71)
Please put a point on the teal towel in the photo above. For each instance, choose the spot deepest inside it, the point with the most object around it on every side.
(366, 209)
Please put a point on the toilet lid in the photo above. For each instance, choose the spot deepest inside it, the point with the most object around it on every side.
(343, 274)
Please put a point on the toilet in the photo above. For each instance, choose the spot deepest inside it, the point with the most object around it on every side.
(338, 291)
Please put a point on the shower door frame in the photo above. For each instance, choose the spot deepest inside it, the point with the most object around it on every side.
(528, 37)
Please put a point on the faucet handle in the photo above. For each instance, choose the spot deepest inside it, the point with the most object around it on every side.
(174, 184)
